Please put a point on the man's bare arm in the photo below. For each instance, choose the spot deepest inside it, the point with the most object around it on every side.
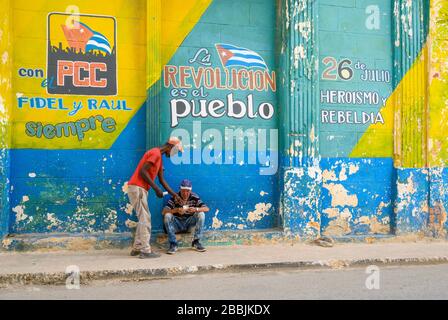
(144, 173)
(167, 187)
(198, 209)
(172, 211)
(164, 183)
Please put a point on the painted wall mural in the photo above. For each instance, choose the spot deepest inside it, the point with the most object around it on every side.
(354, 93)
(219, 94)
(83, 78)
(356, 73)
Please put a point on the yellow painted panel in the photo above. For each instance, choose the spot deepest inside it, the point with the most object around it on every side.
(438, 90)
(136, 48)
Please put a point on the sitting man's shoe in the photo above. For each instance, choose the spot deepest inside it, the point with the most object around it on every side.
(172, 249)
(135, 252)
(149, 255)
(198, 246)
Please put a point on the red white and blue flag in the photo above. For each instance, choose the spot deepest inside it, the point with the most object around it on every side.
(236, 56)
(82, 37)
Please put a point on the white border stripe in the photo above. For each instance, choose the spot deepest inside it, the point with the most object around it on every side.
(247, 60)
(99, 45)
(245, 52)
(100, 36)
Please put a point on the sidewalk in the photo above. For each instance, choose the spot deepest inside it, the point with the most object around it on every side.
(49, 268)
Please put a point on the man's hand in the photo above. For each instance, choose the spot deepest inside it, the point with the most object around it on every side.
(159, 193)
(180, 211)
(192, 210)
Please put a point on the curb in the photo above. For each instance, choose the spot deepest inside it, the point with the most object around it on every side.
(60, 278)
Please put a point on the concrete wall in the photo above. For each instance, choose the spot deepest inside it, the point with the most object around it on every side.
(332, 166)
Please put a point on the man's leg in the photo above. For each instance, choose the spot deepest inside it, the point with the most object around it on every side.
(197, 220)
(139, 201)
(171, 227)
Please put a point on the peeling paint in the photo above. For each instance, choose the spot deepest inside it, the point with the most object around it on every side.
(54, 222)
(304, 27)
(131, 224)
(261, 210)
(340, 196)
(6, 243)
(125, 188)
(381, 206)
(216, 222)
(315, 225)
(299, 53)
(339, 226)
(343, 174)
(20, 213)
(329, 175)
(129, 209)
(377, 227)
(353, 169)
(331, 212)
(438, 219)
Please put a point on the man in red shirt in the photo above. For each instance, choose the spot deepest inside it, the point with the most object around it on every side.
(149, 167)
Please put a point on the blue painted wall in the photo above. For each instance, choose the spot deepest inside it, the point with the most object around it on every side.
(239, 197)
(84, 191)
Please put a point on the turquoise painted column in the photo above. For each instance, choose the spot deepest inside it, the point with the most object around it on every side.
(153, 72)
(299, 125)
(5, 112)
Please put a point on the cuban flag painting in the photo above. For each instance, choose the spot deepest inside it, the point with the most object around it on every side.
(235, 56)
(82, 37)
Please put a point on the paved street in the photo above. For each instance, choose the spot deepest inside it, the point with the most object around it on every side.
(409, 282)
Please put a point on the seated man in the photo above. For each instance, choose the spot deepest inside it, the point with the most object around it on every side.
(180, 217)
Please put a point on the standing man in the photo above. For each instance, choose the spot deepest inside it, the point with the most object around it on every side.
(180, 216)
(149, 167)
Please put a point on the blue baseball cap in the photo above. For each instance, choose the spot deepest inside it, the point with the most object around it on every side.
(186, 185)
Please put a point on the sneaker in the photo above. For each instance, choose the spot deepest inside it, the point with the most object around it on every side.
(149, 255)
(135, 252)
(172, 249)
(198, 246)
